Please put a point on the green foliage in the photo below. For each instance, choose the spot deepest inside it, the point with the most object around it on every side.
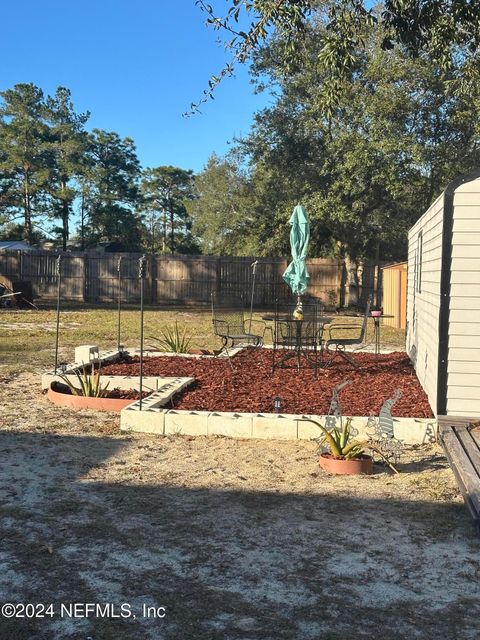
(172, 340)
(396, 138)
(25, 158)
(110, 191)
(49, 166)
(339, 440)
(222, 211)
(166, 192)
(68, 145)
(439, 30)
(89, 385)
(341, 445)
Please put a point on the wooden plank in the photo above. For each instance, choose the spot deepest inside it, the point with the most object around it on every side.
(475, 434)
(449, 421)
(470, 446)
(465, 472)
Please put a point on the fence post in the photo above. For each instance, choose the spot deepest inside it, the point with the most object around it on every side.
(218, 274)
(343, 293)
(151, 277)
(84, 276)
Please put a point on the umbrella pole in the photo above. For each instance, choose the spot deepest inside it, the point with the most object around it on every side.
(254, 267)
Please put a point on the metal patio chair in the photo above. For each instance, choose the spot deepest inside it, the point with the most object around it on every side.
(350, 335)
(230, 324)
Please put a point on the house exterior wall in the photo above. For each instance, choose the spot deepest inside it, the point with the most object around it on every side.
(423, 296)
(463, 390)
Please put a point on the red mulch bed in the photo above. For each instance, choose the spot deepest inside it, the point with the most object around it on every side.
(251, 387)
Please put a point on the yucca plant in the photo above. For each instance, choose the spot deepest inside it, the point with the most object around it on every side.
(172, 339)
(89, 385)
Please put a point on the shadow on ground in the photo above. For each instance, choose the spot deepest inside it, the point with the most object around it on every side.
(225, 564)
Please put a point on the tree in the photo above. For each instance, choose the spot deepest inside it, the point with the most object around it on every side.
(222, 211)
(365, 173)
(110, 193)
(443, 30)
(25, 155)
(68, 144)
(165, 191)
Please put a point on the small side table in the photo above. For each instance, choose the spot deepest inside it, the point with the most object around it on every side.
(376, 330)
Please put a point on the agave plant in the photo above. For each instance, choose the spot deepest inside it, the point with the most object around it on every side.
(89, 385)
(172, 339)
(339, 442)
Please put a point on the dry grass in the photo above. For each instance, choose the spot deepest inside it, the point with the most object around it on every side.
(27, 338)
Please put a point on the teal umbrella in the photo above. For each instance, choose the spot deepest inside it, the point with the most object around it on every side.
(296, 274)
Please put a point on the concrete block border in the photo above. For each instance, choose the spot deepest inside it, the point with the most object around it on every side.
(157, 419)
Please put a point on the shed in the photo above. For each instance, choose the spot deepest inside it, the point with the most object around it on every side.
(394, 294)
(443, 300)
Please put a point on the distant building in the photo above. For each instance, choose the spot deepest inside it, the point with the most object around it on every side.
(14, 245)
(109, 247)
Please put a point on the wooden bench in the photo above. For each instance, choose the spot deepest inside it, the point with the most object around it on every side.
(461, 443)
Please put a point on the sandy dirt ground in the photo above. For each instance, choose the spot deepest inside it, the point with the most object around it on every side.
(237, 540)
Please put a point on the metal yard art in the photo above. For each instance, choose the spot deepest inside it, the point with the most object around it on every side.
(334, 419)
(381, 432)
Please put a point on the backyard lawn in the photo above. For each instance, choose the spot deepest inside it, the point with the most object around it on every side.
(31, 334)
(236, 539)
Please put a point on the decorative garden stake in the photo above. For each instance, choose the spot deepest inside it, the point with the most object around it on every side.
(142, 268)
(380, 430)
(335, 411)
(119, 269)
(277, 404)
(254, 271)
(59, 284)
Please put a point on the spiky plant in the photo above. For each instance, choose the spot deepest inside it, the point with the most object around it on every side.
(172, 339)
(89, 384)
(340, 444)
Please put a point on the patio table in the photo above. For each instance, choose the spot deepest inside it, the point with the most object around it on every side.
(296, 342)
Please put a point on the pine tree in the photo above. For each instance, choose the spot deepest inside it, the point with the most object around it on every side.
(110, 193)
(165, 191)
(68, 145)
(25, 155)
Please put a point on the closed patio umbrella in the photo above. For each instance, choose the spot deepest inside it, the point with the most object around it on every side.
(296, 274)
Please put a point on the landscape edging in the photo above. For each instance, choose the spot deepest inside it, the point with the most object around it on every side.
(256, 425)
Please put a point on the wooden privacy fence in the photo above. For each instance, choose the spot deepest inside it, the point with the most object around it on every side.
(93, 277)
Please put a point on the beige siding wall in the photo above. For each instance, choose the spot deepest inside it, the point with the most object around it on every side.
(423, 307)
(463, 395)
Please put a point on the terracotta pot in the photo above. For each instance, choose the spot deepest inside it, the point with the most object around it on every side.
(84, 402)
(340, 466)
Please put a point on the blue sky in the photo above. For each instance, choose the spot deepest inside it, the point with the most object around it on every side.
(136, 65)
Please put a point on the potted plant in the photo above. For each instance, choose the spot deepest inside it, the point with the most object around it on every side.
(89, 393)
(342, 454)
(375, 311)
